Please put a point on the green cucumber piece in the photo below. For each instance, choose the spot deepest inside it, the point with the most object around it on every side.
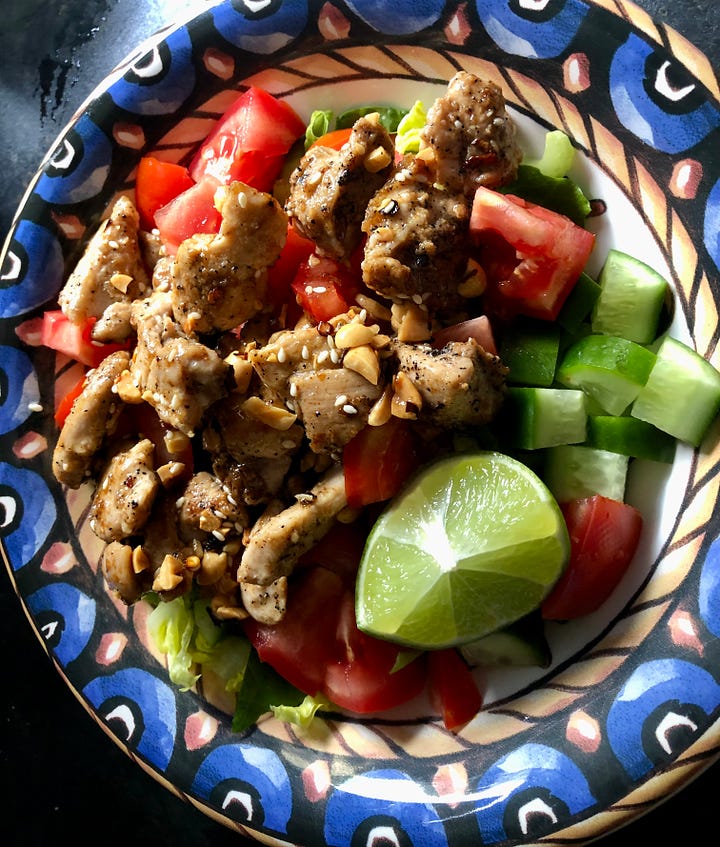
(631, 299)
(531, 356)
(682, 393)
(522, 644)
(579, 304)
(609, 369)
(631, 437)
(576, 471)
(535, 418)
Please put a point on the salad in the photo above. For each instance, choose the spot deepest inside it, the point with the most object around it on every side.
(283, 340)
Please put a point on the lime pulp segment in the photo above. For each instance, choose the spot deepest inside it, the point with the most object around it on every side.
(474, 543)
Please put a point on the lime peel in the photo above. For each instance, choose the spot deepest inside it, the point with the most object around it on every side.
(473, 543)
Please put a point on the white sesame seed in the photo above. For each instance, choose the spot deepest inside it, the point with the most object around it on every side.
(313, 261)
(362, 316)
(282, 355)
(322, 356)
(319, 289)
(290, 405)
(219, 514)
(242, 200)
(231, 500)
(341, 400)
(417, 299)
(113, 244)
(218, 535)
(293, 389)
(180, 502)
(330, 340)
(349, 409)
(334, 356)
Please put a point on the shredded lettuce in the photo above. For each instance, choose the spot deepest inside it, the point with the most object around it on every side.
(262, 689)
(390, 117)
(172, 627)
(303, 714)
(407, 139)
(320, 123)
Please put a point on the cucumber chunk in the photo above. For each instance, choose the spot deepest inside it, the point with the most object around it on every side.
(535, 418)
(631, 299)
(521, 644)
(579, 304)
(681, 395)
(631, 437)
(531, 356)
(609, 369)
(575, 471)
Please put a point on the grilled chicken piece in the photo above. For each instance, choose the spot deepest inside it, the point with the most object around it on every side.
(288, 352)
(208, 507)
(276, 545)
(416, 239)
(333, 405)
(117, 568)
(330, 189)
(125, 494)
(114, 324)
(94, 416)
(110, 270)
(417, 223)
(266, 603)
(177, 375)
(461, 385)
(471, 136)
(218, 281)
(250, 456)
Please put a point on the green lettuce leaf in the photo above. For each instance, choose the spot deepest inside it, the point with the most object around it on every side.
(261, 689)
(172, 627)
(407, 139)
(390, 117)
(303, 714)
(321, 122)
(558, 156)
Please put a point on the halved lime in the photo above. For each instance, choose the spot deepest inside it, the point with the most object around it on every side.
(473, 543)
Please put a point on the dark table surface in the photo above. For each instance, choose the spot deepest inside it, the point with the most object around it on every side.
(60, 775)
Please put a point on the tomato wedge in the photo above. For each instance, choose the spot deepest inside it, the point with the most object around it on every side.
(325, 287)
(319, 649)
(334, 139)
(249, 141)
(604, 536)
(377, 461)
(156, 184)
(74, 340)
(453, 691)
(191, 212)
(65, 405)
(532, 256)
(281, 274)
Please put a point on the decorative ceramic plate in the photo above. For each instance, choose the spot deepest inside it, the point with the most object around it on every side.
(629, 710)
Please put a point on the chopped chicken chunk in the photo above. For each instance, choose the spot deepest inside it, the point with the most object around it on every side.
(94, 416)
(218, 280)
(279, 542)
(330, 189)
(110, 270)
(125, 494)
(460, 385)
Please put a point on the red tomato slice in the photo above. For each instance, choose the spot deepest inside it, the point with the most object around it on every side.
(325, 287)
(378, 461)
(478, 328)
(74, 340)
(64, 406)
(257, 123)
(604, 536)
(334, 139)
(282, 273)
(339, 550)
(191, 212)
(532, 256)
(454, 693)
(156, 184)
(319, 649)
